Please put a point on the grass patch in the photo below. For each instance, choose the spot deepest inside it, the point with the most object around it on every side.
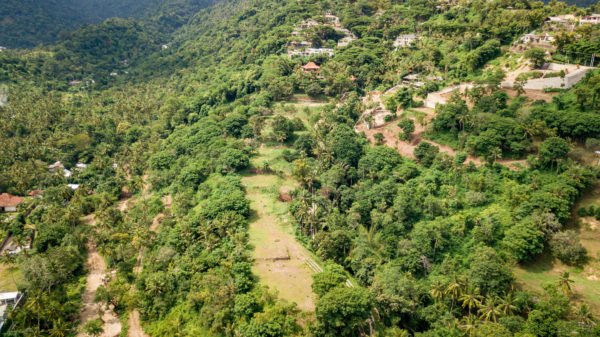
(6, 279)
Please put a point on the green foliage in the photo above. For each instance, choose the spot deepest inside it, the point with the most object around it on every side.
(333, 276)
(567, 248)
(552, 150)
(425, 153)
(342, 311)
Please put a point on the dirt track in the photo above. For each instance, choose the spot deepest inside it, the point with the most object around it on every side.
(96, 273)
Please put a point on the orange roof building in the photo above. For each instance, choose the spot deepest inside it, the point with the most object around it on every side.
(310, 67)
(9, 202)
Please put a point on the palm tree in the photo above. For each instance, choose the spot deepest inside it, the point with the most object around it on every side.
(60, 328)
(506, 305)
(454, 290)
(584, 315)
(489, 310)
(471, 299)
(468, 325)
(564, 283)
(437, 291)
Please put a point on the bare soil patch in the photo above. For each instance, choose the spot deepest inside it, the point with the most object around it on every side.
(96, 276)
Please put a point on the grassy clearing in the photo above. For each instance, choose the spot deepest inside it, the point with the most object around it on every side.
(272, 155)
(279, 258)
(6, 279)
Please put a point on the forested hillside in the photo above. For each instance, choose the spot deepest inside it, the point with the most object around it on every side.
(28, 23)
(303, 168)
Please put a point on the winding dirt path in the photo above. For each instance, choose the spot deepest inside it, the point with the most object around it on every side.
(96, 274)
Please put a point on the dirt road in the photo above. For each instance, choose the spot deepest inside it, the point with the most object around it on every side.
(96, 273)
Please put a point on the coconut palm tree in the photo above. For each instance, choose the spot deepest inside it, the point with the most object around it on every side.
(437, 291)
(489, 311)
(468, 325)
(564, 283)
(471, 299)
(506, 305)
(60, 328)
(454, 290)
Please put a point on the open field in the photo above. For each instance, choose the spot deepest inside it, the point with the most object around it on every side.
(280, 261)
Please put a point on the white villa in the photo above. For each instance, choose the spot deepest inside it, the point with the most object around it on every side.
(405, 40)
(593, 19)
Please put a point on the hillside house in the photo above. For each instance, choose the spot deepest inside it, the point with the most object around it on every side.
(75, 83)
(8, 301)
(546, 38)
(405, 40)
(593, 19)
(561, 19)
(2, 49)
(330, 19)
(9, 202)
(56, 165)
(307, 24)
(301, 44)
(59, 166)
(311, 68)
(529, 38)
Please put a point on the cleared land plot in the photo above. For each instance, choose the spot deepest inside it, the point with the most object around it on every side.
(280, 261)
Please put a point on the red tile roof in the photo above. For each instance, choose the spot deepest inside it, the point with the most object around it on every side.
(36, 192)
(310, 66)
(9, 200)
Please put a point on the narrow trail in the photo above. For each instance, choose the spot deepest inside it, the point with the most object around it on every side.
(281, 262)
(96, 275)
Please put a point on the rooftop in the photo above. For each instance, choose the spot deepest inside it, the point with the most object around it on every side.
(9, 200)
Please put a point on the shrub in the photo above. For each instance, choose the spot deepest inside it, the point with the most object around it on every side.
(582, 212)
(425, 153)
(474, 198)
(566, 247)
(592, 144)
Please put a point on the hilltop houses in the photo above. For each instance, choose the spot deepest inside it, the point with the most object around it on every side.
(535, 38)
(561, 19)
(310, 52)
(57, 166)
(307, 24)
(405, 40)
(330, 19)
(304, 47)
(593, 19)
(9, 202)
